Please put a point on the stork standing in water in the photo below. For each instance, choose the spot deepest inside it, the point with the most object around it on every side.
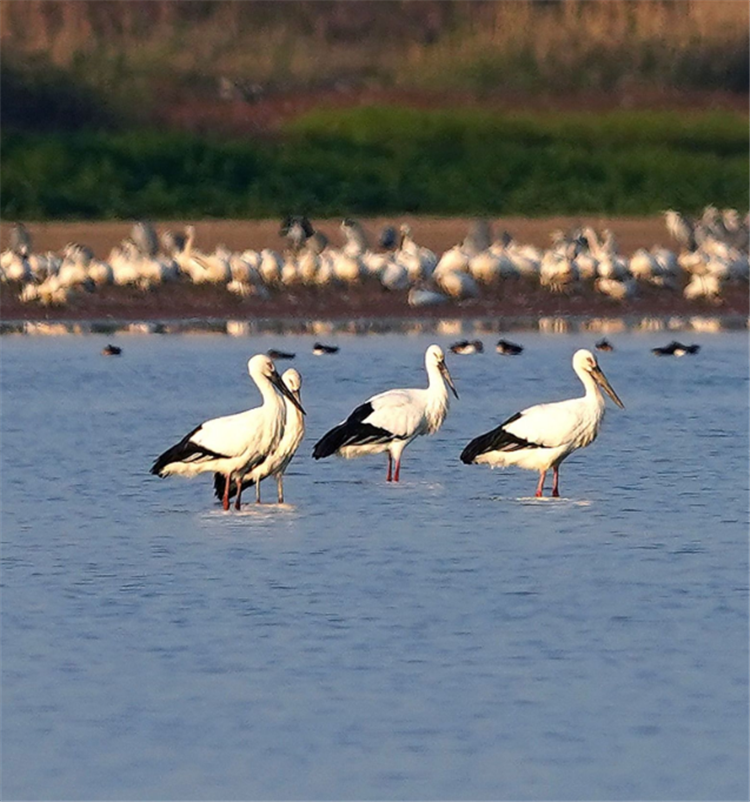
(234, 444)
(278, 460)
(542, 436)
(391, 420)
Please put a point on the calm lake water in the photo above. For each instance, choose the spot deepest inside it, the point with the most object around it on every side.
(446, 638)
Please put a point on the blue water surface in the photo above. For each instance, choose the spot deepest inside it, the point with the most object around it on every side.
(450, 637)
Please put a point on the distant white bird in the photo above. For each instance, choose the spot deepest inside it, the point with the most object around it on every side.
(681, 228)
(394, 276)
(542, 436)
(457, 285)
(15, 267)
(234, 444)
(203, 268)
(270, 266)
(558, 272)
(453, 260)
(420, 262)
(391, 420)
(278, 460)
(423, 296)
(486, 267)
(618, 290)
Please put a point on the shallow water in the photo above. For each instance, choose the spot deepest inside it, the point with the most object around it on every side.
(450, 637)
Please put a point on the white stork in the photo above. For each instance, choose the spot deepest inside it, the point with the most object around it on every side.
(232, 445)
(278, 460)
(391, 420)
(542, 436)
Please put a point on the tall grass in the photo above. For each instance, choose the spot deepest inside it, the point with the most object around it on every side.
(477, 46)
(374, 161)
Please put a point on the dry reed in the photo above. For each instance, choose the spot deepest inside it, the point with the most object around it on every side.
(558, 44)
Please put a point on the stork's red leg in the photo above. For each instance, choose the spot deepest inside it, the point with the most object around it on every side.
(398, 470)
(225, 500)
(389, 478)
(540, 486)
(555, 480)
(239, 493)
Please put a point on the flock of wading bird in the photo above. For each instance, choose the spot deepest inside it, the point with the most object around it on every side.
(243, 449)
(712, 254)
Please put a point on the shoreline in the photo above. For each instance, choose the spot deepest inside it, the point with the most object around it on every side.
(326, 327)
(515, 299)
(512, 299)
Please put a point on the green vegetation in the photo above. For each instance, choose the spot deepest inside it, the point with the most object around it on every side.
(386, 161)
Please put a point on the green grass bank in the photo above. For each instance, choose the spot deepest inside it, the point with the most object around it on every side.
(382, 160)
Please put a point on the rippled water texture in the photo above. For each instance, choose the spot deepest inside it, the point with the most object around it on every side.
(447, 638)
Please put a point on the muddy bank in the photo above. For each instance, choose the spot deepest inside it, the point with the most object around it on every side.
(514, 299)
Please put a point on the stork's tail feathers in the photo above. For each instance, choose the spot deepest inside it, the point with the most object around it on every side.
(159, 465)
(176, 453)
(332, 441)
(352, 432)
(184, 451)
(479, 445)
(499, 439)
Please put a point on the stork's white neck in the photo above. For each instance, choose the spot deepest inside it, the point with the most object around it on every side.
(438, 400)
(435, 377)
(593, 394)
(271, 398)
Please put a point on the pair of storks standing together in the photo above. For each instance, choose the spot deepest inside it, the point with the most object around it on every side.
(243, 449)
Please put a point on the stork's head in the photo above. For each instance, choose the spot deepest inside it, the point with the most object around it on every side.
(292, 380)
(584, 363)
(434, 357)
(261, 368)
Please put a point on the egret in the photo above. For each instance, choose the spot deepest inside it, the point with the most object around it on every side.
(391, 420)
(278, 460)
(542, 436)
(234, 444)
